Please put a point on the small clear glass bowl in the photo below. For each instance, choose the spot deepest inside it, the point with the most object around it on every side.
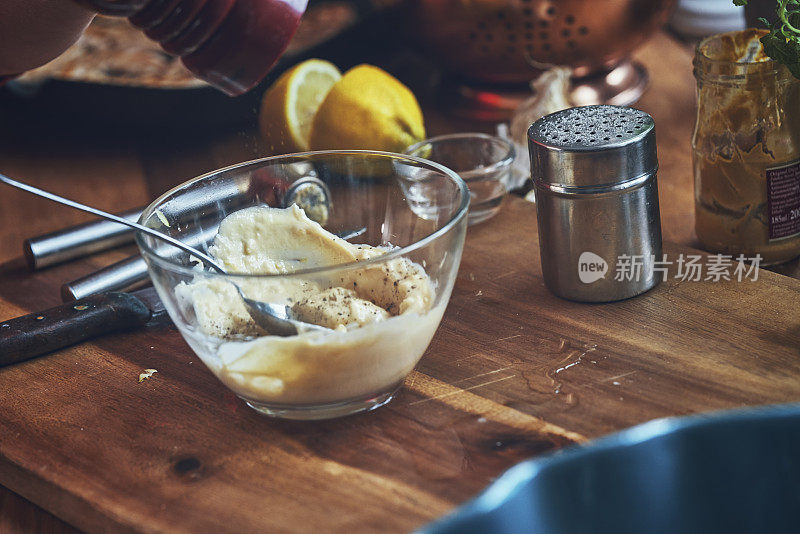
(414, 207)
(483, 161)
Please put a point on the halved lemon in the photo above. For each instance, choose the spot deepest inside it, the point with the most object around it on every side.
(289, 106)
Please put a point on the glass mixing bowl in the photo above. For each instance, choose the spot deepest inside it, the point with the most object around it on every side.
(415, 209)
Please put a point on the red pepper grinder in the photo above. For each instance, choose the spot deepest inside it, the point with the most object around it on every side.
(231, 44)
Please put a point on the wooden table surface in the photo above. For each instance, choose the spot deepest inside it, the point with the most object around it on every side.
(512, 373)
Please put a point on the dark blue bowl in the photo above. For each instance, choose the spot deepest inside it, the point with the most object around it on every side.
(727, 472)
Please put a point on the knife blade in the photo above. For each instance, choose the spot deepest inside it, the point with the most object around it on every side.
(49, 330)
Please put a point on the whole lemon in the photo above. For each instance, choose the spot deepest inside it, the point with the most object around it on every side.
(367, 109)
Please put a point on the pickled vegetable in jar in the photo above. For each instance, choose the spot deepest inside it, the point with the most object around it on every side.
(746, 150)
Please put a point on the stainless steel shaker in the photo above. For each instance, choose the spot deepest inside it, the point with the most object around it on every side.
(594, 172)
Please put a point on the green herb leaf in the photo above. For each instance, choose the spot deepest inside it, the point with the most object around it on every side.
(782, 43)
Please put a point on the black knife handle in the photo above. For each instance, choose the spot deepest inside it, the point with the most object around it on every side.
(39, 333)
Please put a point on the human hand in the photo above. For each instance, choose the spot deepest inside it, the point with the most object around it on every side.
(33, 32)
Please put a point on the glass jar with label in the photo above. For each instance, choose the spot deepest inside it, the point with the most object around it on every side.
(746, 150)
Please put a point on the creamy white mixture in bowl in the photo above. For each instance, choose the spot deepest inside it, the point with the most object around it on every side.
(380, 293)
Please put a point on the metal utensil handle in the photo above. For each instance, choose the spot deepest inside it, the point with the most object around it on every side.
(110, 216)
(78, 241)
(123, 275)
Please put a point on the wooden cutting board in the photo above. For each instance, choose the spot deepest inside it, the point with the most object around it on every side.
(512, 373)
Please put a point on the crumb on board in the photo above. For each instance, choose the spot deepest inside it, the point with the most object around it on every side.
(146, 374)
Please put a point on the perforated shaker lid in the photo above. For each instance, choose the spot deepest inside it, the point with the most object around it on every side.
(592, 147)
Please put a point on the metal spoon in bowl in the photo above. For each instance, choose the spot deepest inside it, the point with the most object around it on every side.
(273, 318)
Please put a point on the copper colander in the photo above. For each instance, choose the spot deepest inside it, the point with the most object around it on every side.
(510, 41)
